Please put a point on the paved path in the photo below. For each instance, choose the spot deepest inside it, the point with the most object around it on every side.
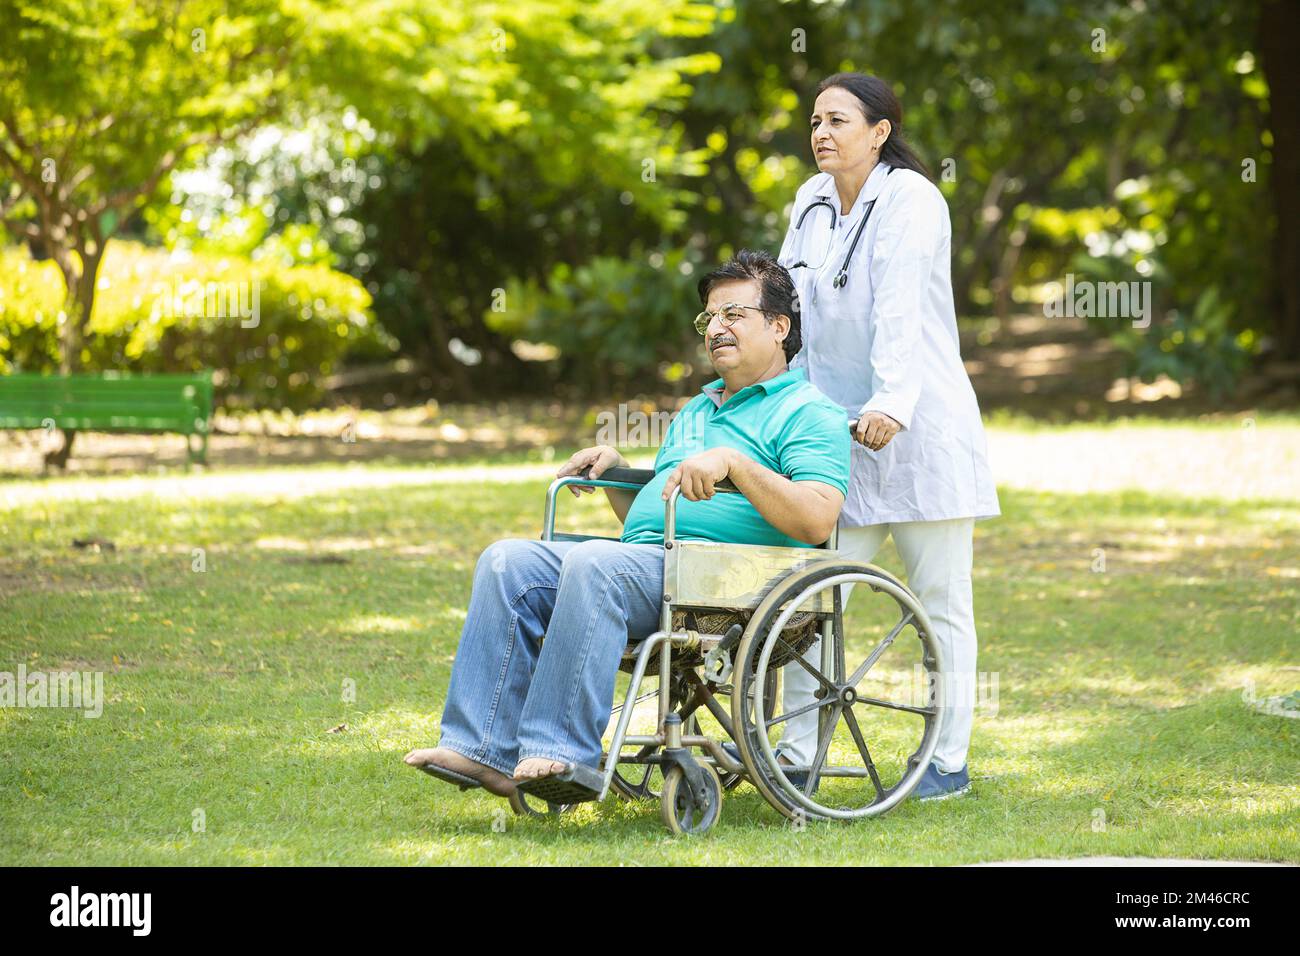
(1234, 460)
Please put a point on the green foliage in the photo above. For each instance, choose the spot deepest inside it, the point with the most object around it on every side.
(1124, 142)
(1199, 343)
(272, 333)
(628, 318)
(439, 152)
(107, 90)
(450, 146)
(1201, 346)
(31, 307)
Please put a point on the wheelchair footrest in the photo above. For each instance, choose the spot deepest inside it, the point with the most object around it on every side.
(574, 784)
(451, 776)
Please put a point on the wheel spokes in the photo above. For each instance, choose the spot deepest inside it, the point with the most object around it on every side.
(839, 754)
(858, 739)
(880, 649)
(823, 747)
(797, 712)
(894, 705)
(636, 703)
(798, 658)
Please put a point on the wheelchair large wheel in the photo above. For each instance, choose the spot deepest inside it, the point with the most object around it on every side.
(679, 808)
(874, 740)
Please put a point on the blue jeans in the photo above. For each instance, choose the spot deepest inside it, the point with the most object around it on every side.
(512, 696)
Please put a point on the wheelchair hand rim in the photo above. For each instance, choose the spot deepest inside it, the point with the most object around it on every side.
(824, 575)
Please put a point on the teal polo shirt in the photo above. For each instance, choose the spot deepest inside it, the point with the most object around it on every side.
(785, 424)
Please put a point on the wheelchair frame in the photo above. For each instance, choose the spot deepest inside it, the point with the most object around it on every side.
(735, 578)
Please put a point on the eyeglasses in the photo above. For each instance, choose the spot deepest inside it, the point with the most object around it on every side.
(728, 315)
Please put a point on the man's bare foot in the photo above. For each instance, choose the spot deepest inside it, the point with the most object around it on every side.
(493, 781)
(538, 767)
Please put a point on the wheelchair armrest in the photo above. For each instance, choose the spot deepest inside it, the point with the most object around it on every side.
(628, 479)
(643, 476)
(632, 476)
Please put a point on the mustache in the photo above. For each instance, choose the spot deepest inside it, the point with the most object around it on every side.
(721, 340)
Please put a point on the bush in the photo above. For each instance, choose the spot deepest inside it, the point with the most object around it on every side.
(1200, 344)
(31, 303)
(627, 319)
(272, 333)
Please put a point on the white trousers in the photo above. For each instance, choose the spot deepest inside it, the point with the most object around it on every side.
(937, 556)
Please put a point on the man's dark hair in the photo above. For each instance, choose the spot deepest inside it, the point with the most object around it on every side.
(777, 297)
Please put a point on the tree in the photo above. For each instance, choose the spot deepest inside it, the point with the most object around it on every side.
(99, 101)
(564, 146)
(1053, 126)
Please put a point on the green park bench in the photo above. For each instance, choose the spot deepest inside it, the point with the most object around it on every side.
(110, 402)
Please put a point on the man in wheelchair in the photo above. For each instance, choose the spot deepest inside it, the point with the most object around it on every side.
(548, 621)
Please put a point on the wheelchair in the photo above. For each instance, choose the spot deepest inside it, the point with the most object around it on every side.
(733, 616)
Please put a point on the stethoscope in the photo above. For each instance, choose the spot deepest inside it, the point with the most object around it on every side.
(842, 277)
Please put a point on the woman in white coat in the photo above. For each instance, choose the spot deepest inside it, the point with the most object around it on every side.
(869, 247)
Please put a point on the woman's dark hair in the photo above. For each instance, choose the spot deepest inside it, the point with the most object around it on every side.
(879, 102)
(777, 295)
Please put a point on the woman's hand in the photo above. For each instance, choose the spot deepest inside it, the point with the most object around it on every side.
(599, 458)
(875, 429)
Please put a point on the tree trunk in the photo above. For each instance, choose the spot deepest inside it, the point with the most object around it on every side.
(455, 377)
(85, 297)
(59, 457)
(1006, 277)
(1279, 39)
(974, 235)
(78, 303)
(70, 334)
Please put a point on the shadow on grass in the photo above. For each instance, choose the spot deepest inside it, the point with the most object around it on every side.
(1118, 689)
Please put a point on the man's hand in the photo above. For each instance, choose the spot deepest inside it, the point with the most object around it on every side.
(698, 474)
(875, 429)
(598, 457)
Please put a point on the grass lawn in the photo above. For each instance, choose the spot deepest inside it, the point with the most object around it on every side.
(1120, 728)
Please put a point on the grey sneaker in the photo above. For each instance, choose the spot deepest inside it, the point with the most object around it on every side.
(937, 785)
(796, 777)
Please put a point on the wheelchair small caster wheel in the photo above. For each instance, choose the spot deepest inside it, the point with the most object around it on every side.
(525, 806)
(680, 809)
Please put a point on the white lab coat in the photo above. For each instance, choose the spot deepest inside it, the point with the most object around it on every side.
(887, 341)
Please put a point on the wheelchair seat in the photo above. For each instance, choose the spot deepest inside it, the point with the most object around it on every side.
(800, 634)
